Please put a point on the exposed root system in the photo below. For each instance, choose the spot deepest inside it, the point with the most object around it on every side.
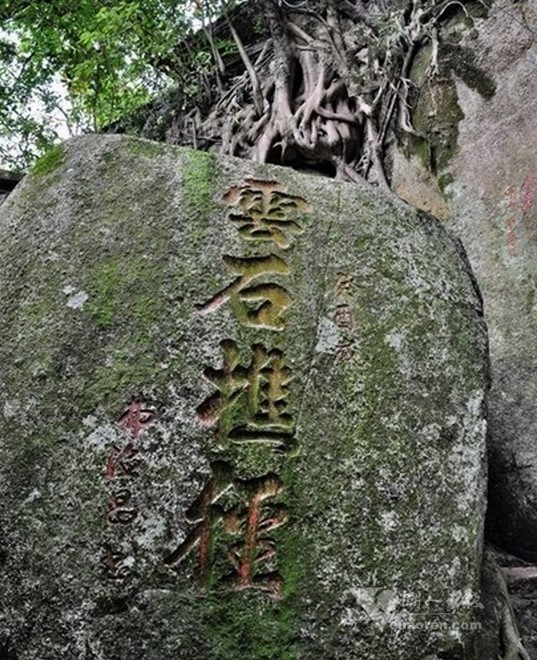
(324, 89)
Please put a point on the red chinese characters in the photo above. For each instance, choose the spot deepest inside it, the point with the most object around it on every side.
(519, 202)
(136, 418)
(121, 470)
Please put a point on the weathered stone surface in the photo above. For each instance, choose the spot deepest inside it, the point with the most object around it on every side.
(495, 215)
(492, 194)
(185, 474)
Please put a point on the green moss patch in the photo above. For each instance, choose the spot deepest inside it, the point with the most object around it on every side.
(50, 160)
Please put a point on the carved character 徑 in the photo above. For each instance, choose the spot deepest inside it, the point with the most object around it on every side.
(205, 514)
(251, 521)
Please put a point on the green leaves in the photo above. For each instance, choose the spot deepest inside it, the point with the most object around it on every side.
(70, 66)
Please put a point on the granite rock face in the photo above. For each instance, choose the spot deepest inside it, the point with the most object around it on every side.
(491, 189)
(495, 214)
(242, 415)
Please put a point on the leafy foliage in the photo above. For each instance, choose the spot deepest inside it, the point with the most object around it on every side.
(85, 64)
(321, 84)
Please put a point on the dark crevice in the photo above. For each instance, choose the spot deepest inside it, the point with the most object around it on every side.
(7, 652)
(107, 606)
(324, 168)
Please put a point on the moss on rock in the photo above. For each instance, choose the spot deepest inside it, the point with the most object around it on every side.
(125, 282)
(50, 160)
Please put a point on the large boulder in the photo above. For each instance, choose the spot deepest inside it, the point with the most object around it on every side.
(242, 415)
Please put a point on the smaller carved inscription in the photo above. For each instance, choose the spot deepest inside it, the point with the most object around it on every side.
(345, 285)
(511, 221)
(343, 316)
(136, 418)
(121, 469)
(122, 509)
(519, 202)
(527, 202)
(115, 565)
(123, 462)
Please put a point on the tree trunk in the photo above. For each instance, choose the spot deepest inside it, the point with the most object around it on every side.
(322, 87)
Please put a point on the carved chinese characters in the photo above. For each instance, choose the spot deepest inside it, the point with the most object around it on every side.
(273, 298)
(344, 290)
(317, 372)
(518, 202)
(260, 390)
(264, 213)
(248, 524)
(250, 404)
(121, 471)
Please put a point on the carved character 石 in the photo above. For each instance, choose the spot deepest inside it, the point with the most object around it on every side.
(255, 305)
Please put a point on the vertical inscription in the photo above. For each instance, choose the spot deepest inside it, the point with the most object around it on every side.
(121, 471)
(343, 316)
(250, 404)
(510, 197)
(519, 202)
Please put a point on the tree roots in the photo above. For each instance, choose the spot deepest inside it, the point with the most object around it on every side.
(326, 89)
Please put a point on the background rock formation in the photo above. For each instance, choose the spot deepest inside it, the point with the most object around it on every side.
(489, 185)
